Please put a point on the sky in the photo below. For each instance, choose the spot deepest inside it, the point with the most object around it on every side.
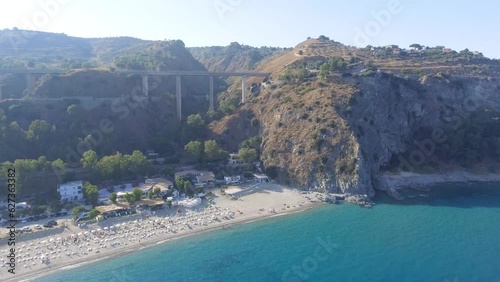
(457, 24)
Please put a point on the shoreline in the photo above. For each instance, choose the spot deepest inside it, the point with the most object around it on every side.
(145, 243)
(410, 180)
(392, 182)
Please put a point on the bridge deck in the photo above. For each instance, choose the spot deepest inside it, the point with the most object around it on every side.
(160, 73)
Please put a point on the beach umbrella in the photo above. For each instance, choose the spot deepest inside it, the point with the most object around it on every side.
(80, 234)
(105, 228)
(59, 239)
(92, 231)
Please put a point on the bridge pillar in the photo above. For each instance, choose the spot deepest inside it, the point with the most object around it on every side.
(30, 83)
(145, 85)
(211, 85)
(178, 96)
(243, 89)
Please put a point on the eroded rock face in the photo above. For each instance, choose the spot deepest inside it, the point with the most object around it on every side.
(390, 109)
(338, 137)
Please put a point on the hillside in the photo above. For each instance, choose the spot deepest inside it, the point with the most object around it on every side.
(331, 117)
(234, 57)
(334, 117)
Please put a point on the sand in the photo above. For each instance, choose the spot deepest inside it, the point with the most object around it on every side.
(70, 245)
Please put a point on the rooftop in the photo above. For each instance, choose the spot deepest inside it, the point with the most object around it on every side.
(150, 202)
(187, 172)
(260, 176)
(113, 207)
(72, 183)
(206, 176)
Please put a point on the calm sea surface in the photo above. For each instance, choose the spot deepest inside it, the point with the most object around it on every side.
(450, 234)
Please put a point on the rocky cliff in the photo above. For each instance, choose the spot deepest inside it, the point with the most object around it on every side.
(340, 132)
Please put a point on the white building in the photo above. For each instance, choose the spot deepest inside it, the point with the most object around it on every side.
(71, 191)
(234, 159)
(261, 178)
(232, 179)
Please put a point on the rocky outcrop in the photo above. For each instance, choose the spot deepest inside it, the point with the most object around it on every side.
(337, 137)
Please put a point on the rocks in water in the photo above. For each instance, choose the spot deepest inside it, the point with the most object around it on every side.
(360, 200)
(393, 193)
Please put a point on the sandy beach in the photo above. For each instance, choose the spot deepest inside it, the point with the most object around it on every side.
(68, 245)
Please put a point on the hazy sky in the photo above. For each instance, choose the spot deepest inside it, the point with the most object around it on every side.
(457, 24)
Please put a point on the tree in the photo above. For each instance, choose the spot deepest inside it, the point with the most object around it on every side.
(417, 46)
(169, 204)
(253, 142)
(187, 188)
(157, 191)
(212, 115)
(130, 198)
(150, 194)
(195, 121)
(94, 213)
(247, 155)
(76, 211)
(138, 164)
(58, 165)
(213, 152)
(195, 149)
(179, 182)
(113, 197)
(89, 159)
(323, 38)
(137, 194)
(55, 205)
(91, 194)
(74, 110)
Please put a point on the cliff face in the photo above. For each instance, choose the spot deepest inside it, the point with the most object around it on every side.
(338, 136)
(389, 110)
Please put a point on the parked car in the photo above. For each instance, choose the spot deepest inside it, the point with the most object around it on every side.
(47, 225)
(38, 226)
(24, 220)
(53, 222)
(27, 229)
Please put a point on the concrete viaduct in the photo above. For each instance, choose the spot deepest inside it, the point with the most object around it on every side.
(30, 80)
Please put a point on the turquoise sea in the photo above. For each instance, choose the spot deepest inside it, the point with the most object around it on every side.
(449, 234)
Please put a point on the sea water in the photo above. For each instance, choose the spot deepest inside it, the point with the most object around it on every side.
(449, 234)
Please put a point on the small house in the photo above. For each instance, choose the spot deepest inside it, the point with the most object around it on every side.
(232, 179)
(234, 159)
(261, 178)
(205, 177)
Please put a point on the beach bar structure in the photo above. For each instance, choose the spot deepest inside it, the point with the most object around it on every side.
(261, 178)
(113, 208)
